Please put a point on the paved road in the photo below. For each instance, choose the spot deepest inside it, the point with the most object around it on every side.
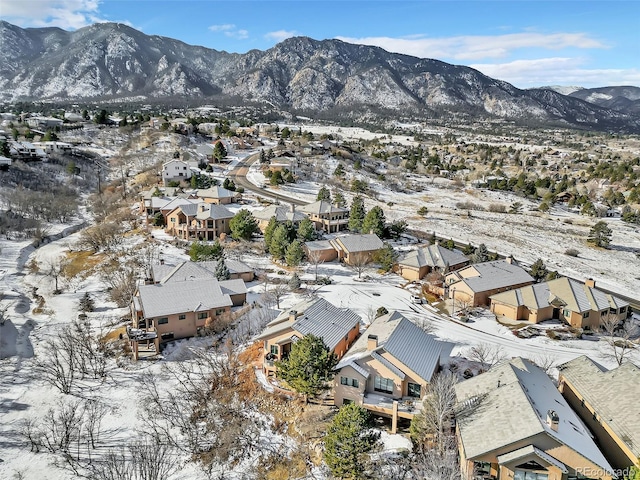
(239, 177)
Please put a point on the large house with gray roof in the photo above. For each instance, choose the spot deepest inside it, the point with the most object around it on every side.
(281, 213)
(165, 273)
(327, 217)
(608, 402)
(513, 424)
(415, 264)
(338, 328)
(357, 248)
(198, 221)
(476, 283)
(388, 367)
(579, 304)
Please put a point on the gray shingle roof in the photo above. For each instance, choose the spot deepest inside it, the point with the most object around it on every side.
(215, 192)
(318, 245)
(360, 243)
(178, 297)
(281, 213)
(322, 207)
(493, 275)
(210, 210)
(434, 256)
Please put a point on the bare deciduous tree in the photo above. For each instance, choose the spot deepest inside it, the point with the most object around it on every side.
(315, 259)
(359, 263)
(486, 354)
(617, 335)
(278, 291)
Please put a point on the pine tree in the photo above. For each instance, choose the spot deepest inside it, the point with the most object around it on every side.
(481, 254)
(294, 253)
(374, 222)
(243, 225)
(324, 194)
(222, 271)
(600, 235)
(268, 231)
(219, 152)
(539, 270)
(86, 303)
(294, 282)
(306, 230)
(279, 242)
(348, 442)
(338, 200)
(356, 214)
(386, 257)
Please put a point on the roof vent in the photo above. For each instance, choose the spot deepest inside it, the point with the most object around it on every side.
(553, 420)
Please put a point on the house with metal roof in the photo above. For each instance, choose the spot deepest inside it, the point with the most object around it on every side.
(415, 264)
(327, 217)
(281, 213)
(357, 248)
(338, 328)
(579, 304)
(608, 402)
(199, 221)
(165, 273)
(318, 251)
(388, 367)
(476, 283)
(513, 424)
(218, 195)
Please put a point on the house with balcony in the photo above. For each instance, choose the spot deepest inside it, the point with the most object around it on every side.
(512, 423)
(175, 171)
(327, 217)
(476, 283)
(338, 328)
(415, 264)
(357, 248)
(388, 368)
(165, 273)
(181, 309)
(607, 401)
(579, 304)
(198, 221)
(281, 213)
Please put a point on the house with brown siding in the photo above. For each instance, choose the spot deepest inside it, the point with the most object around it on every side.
(338, 328)
(608, 402)
(476, 283)
(579, 304)
(327, 217)
(415, 264)
(388, 367)
(357, 248)
(217, 195)
(513, 424)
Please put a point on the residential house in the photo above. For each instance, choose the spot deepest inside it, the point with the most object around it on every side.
(175, 171)
(165, 273)
(200, 221)
(180, 309)
(62, 148)
(415, 264)
(44, 122)
(217, 195)
(388, 367)
(281, 213)
(579, 304)
(608, 402)
(26, 151)
(4, 162)
(476, 283)
(338, 328)
(327, 217)
(358, 248)
(513, 424)
(320, 251)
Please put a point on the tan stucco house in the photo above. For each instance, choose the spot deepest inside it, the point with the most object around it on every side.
(166, 273)
(513, 424)
(322, 250)
(579, 304)
(217, 195)
(338, 328)
(199, 221)
(415, 264)
(476, 283)
(327, 217)
(357, 248)
(388, 367)
(608, 402)
(281, 213)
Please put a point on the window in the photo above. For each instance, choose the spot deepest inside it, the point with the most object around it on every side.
(182, 317)
(163, 320)
(202, 315)
(219, 311)
(414, 389)
(525, 475)
(350, 382)
(585, 314)
(384, 385)
(623, 309)
(274, 349)
(613, 311)
(167, 336)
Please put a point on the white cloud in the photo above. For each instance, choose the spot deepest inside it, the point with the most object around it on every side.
(476, 47)
(222, 28)
(67, 14)
(557, 71)
(230, 30)
(280, 35)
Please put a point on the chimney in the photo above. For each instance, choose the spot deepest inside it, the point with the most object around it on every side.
(372, 342)
(552, 420)
(509, 259)
(292, 314)
(162, 261)
(203, 207)
(590, 282)
(293, 208)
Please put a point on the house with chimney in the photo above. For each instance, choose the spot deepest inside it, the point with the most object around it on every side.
(338, 328)
(327, 217)
(388, 368)
(607, 401)
(415, 264)
(513, 424)
(198, 221)
(281, 213)
(581, 305)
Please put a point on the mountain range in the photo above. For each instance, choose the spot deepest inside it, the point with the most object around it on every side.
(113, 62)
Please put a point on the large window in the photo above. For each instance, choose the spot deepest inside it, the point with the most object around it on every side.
(163, 320)
(274, 349)
(525, 475)
(182, 317)
(384, 385)
(414, 390)
(350, 382)
(202, 315)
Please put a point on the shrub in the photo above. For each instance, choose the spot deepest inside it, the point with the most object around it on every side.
(572, 252)
(497, 208)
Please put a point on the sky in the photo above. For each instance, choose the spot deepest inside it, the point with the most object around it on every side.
(528, 43)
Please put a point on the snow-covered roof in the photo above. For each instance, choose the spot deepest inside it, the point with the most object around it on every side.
(215, 192)
(482, 277)
(509, 404)
(186, 271)
(281, 213)
(433, 256)
(367, 242)
(613, 394)
(322, 207)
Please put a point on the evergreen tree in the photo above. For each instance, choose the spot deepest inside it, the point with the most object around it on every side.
(222, 271)
(324, 194)
(219, 152)
(481, 254)
(306, 230)
(449, 244)
(243, 225)
(468, 249)
(339, 171)
(294, 282)
(386, 257)
(600, 235)
(356, 214)
(86, 303)
(348, 442)
(294, 253)
(268, 231)
(279, 242)
(201, 252)
(338, 200)
(263, 157)
(374, 222)
(309, 367)
(539, 270)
